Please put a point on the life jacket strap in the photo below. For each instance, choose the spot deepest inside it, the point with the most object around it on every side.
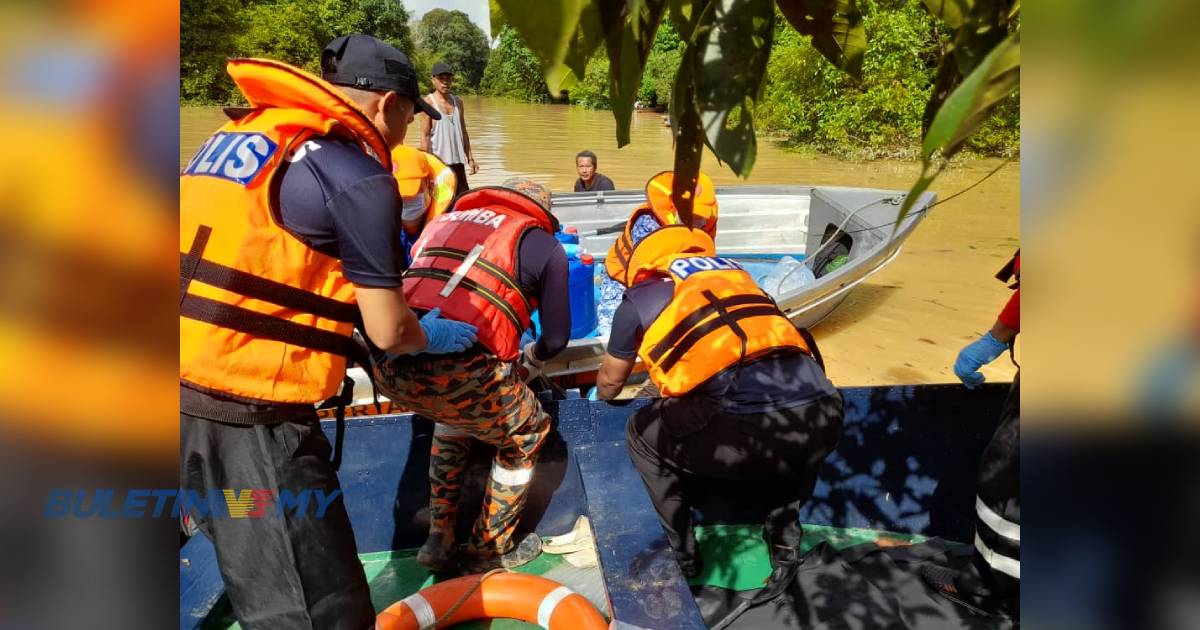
(270, 327)
(472, 286)
(679, 351)
(487, 266)
(193, 266)
(699, 315)
(189, 261)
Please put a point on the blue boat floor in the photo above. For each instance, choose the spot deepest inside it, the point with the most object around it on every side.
(735, 557)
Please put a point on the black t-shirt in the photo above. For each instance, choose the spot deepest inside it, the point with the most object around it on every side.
(343, 203)
(599, 182)
(543, 273)
(775, 381)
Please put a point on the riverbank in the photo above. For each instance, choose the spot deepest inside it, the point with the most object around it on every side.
(904, 325)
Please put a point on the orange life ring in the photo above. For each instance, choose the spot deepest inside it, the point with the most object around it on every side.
(502, 595)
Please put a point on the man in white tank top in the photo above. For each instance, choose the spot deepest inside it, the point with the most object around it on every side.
(447, 138)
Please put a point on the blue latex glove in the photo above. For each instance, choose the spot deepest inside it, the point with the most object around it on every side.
(976, 355)
(446, 335)
(592, 394)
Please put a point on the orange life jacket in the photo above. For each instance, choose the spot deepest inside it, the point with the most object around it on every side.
(659, 204)
(718, 317)
(419, 172)
(262, 315)
(466, 264)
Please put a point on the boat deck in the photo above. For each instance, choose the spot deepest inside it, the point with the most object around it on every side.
(906, 464)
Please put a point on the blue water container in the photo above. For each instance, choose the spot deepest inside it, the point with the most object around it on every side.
(583, 295)
(567, 235)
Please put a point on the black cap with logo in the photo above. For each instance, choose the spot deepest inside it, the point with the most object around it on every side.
(361, 61)
(441, 68)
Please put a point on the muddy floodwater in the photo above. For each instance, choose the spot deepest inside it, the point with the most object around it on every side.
(905, 324)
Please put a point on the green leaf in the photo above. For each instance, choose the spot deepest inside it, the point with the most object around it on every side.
(689, 142)
(497, 18)
(630, 37)
(729, 59)
(562, 33)
(836, 28)
(952, 12)
(984, 27)
(914, 194)
(997, 76)
(947, 78)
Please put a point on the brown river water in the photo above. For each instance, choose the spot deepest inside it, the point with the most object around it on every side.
(904, 325)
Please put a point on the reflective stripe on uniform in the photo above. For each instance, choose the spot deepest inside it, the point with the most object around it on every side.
(426, 618)
(511, 476)
(1001, 563)
(549, 603)
(462, 269)
(997, 523)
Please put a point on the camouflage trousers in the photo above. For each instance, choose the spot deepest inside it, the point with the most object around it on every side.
(472, 397)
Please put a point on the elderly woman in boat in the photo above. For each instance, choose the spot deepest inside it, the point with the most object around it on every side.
(744, 393)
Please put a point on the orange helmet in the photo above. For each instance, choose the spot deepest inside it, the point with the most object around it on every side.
(704, 204)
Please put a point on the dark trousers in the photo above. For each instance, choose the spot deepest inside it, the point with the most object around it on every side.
(998, 504)
(460, 173)
(281, 571)
(677, 442)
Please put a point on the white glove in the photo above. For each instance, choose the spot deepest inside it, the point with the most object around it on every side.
(530, 363)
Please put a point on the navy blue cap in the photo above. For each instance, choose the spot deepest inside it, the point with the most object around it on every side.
(363, 62)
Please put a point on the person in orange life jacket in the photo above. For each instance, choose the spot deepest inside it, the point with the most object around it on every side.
(288, 216)
(744, 397)
(426, 186)
(658, 211)
(993, 581)
(491, 260)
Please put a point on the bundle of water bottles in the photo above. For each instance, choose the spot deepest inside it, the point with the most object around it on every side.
(582, 283)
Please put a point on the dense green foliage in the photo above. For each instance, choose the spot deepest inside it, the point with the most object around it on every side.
(806, 101)
(513, 71)
(451, 37)
(811, 103)
(293, 31)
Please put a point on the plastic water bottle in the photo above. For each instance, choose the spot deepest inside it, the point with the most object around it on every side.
(788, 275)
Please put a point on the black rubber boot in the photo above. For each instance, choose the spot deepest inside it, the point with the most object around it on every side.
(437, 556)
(526, 551)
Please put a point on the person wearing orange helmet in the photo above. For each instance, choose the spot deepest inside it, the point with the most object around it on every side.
(744, 393)
(658, 211)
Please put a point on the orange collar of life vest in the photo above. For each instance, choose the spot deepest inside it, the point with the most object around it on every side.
(273, 84)
(655, 252)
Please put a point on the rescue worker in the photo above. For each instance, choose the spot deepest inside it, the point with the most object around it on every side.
(993, 582)
(490, 261)
(426, 186)
(288, 217)
(744, 394)
(658, 211)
